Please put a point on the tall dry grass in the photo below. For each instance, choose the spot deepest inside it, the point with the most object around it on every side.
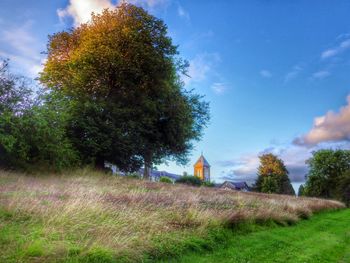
(133, 217)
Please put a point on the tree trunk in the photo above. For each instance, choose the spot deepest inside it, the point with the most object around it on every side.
(148, 166)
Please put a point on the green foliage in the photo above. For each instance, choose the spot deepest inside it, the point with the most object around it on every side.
(32, 131)
(46, 133)
(269, 184)
(327, 170)
(273, 176)
(15, 96)
(208, 184)
(301, 190)
(190, 180)
(14, 102)
(343, 188)
(124, 75)
(164, 179)
(134, 176)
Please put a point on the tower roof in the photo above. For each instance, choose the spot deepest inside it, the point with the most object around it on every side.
(202, 161)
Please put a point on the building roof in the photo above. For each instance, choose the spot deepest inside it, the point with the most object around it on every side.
(202, 161)
(235, 185)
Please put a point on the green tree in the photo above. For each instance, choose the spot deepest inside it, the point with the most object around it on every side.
(124, 74)
(329, 175)
(32, 129)
(301, 190)
(326, 168)
(273, 176)
(44, 132)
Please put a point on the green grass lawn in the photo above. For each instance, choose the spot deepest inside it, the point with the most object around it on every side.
(323, 238)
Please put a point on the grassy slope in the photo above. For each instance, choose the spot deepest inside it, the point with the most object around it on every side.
(324, 238)
(90, 217)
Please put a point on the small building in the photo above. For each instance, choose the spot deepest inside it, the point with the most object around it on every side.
(238, 186)
(202, 169)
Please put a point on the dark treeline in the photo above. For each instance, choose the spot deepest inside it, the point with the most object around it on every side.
(112, 91)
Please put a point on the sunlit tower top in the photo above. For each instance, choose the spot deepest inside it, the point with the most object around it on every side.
(202, 169)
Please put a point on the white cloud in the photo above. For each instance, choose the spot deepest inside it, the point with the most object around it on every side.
(183, 13)
(332, 127)
(81, 10)
(265, 73)
(329, 53)
(293, 73)
(201, 66)
(219, 87)
(343, 46)
(22, 48)
(321, 74)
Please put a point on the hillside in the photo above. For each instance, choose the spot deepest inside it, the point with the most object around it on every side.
(86, 216)
(324, 238)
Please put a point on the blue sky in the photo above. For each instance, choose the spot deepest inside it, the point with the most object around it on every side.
(276, 73)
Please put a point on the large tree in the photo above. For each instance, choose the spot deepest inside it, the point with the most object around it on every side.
(273, 176)
(327, 169)
(124, 75)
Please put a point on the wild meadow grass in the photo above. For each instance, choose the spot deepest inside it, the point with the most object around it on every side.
(87, 216)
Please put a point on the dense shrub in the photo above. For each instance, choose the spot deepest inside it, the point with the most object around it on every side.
(190, 180)
(133, 176)
(33, 130)
(164, 179)
(208, 184)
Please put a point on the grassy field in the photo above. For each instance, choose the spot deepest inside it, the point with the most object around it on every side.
(91, 217)
(324, 238)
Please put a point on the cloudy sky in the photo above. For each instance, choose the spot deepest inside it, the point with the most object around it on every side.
(276, 73)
